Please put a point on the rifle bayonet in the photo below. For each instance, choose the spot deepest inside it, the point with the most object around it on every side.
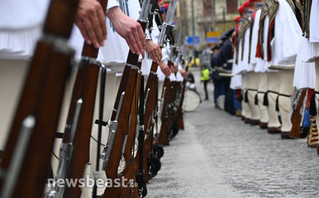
(145, 11)
(168, 22)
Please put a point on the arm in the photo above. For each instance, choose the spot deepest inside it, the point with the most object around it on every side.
(129, 29)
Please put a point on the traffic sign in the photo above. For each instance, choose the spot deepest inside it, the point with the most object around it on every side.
(212, 37)
(193, 40)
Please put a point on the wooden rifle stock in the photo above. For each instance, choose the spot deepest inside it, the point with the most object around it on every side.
(127, 85)
(41, 98)
(150, 92)
(180, 118)
(180, 110)
(87, 92)
(164, 131)
(84, 88)
(131, 169)
(295, 131)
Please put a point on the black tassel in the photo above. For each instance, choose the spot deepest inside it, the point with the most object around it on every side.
(312, 107)
(265, 103)
(277, 103)
(246, 96)
(256, 99)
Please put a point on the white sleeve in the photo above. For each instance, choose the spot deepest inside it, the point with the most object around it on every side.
(111, 4)
(179, 66)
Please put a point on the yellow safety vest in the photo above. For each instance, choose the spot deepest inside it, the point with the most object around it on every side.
(204, 75)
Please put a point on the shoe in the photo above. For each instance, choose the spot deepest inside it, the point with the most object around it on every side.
(263, 125)
(247, 120)
(285, 135)
(254, 122)
(274, 130)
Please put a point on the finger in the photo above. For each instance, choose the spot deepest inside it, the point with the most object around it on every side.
(82, 29)
(142, 36)
(132, 42)
(91, 33)
(159, 55)
(153, 57)
(101, 20)
(97, 29)
(139, 39)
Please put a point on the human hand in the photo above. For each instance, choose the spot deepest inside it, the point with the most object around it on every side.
(183, 73)
(174, 68)
(90, 19)
(129, 29)
(154, 51)
(165, 68)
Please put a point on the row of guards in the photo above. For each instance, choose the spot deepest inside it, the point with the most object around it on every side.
(275, 67)
(143, 117)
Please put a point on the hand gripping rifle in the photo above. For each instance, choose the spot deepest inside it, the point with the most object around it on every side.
(296, 117)
(121, 112)
(26, 158)
(75, 147)
(74, 150)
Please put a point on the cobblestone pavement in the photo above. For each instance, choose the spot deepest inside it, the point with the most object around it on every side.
(217, 155)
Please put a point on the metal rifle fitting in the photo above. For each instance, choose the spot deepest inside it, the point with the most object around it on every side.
(113, 128)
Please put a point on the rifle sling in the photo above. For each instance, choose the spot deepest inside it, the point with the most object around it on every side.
(97, 141)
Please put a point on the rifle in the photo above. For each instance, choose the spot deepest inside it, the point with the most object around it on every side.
(180, 118)
(164, 132)
(163, 137)
(74, 150)
(131, 169)
(154, 163)
(129, 189)
(121, 111)
(33, 130)
(296, 117)
(180, 114)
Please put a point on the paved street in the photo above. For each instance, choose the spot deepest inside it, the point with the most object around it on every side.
(217, 155)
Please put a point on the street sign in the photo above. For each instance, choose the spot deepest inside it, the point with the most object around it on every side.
(193, 40)
(212, 37)
(212, 40)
